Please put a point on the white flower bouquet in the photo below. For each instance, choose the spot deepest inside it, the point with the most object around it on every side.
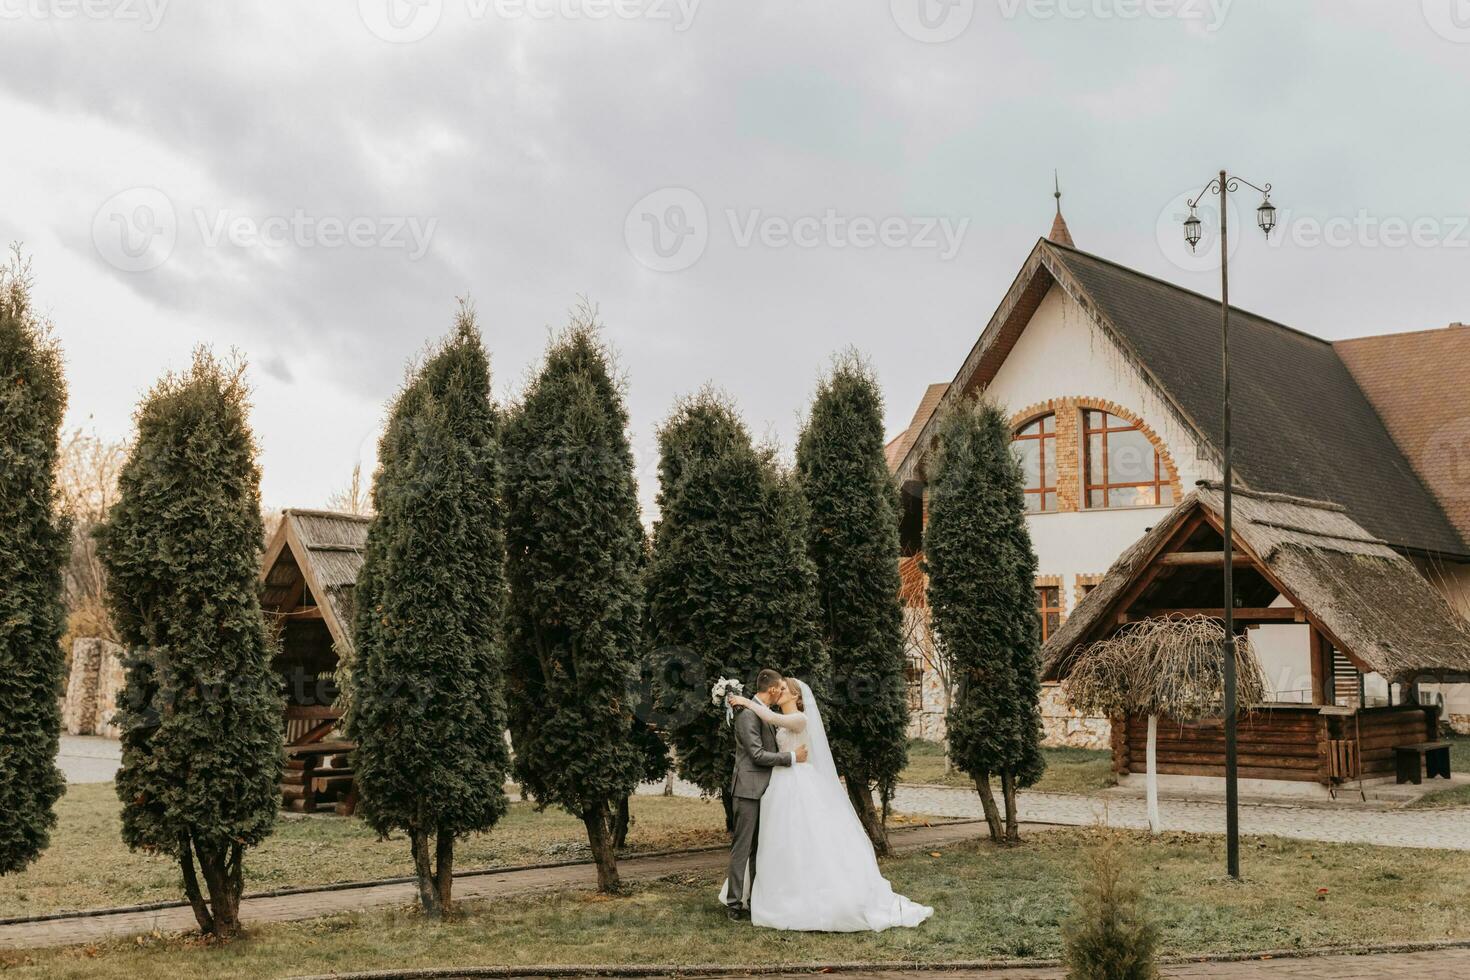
(719, 694)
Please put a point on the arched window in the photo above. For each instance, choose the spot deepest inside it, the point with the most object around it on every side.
(1036, 444)
(1122, 467)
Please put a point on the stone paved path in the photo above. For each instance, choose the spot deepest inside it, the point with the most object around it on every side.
(89, 758)
(285, 908)
(1343, 823)
(1448, 829)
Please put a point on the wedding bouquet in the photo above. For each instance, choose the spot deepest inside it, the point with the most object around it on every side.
(724, 687)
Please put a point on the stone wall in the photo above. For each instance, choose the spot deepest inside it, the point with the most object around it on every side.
(93, 689)
(1063, 726)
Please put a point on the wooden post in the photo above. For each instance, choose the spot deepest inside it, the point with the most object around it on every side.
(1320, 654)
(1120, 744)
(1324, 750)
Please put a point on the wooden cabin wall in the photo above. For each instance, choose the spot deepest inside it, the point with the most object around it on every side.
(1270, 744)
(1380, 729)
(1284, 742)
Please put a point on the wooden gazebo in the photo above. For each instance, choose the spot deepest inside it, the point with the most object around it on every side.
(307, 579)
(1363, 609)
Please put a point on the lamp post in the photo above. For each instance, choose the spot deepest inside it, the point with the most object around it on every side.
(1224, 185)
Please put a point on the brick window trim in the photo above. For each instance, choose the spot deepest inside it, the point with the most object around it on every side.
(1052, 582)
(1081, 585)
(1068, 412)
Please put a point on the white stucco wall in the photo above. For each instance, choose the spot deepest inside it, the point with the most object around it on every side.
(1062, 354)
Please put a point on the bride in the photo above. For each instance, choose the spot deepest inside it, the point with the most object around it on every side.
(815, 867)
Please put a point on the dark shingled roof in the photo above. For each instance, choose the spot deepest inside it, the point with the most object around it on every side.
(1301, 424)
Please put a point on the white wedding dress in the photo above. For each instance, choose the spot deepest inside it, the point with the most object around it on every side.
(814, 866)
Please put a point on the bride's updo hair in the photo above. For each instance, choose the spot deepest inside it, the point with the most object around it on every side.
(795, 689)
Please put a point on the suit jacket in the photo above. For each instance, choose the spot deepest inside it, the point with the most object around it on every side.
(755, 754)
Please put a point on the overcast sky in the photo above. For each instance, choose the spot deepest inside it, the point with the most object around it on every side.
(743, 187)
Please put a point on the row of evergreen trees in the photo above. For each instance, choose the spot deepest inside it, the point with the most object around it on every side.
(507, 584)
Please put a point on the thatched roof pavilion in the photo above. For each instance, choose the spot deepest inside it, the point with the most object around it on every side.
(308, 575)
(1363, 607)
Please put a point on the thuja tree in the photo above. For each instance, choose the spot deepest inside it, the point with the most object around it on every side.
(852, 536)
(200, 713)
(33, 551)
(573, 554)
(982, 572)
(731, 586)
(427, 708)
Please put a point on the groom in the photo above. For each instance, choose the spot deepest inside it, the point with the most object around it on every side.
(755, 755)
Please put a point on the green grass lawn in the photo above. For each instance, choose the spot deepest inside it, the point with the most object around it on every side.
(87, 866)
(1459, 763)
(1067, 770)
(992, 903)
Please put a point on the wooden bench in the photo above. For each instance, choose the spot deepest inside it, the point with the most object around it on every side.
(1435, 758)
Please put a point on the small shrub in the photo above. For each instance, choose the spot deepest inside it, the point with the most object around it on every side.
(1109, 937)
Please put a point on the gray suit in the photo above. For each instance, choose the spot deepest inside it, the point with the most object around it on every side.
(755, 755)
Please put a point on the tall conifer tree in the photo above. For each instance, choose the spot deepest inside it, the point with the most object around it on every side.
(852, 537)
(574, 543)
(428, 710)
(201, 710)
(731, 587)
(33, 552)
(982, 582)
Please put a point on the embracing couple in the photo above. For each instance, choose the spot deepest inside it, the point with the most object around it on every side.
(800, 858)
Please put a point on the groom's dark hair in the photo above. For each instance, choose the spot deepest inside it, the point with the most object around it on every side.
(767, 679)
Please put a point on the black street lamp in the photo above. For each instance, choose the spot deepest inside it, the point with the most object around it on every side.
(1224, 185)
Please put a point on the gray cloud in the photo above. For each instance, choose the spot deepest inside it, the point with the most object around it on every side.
(525, 142)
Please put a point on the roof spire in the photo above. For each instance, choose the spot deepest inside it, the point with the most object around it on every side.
(1059, 232)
